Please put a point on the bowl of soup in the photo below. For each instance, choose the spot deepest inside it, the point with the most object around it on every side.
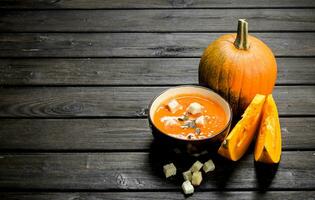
(190, 118)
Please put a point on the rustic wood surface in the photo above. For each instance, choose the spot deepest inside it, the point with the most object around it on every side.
(133, 4)
(109, 134)
(142, 171)
(138, 44)
(202, 195)
(134, 71)
(156, 20)
(120, 101)
(77, 76)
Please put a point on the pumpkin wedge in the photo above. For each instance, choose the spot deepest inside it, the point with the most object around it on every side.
(236, 143)
(268, 142)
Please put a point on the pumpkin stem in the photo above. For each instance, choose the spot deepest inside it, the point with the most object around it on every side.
(241, 41)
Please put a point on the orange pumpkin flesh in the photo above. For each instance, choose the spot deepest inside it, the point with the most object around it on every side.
(236, 143)
(268, 142)
(238, 66)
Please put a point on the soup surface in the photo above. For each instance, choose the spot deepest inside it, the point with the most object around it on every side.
(190, 117)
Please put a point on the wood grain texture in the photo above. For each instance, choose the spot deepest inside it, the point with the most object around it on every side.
(272, 195)
(75, 134)
(134, 171)
(116, 134)
(107, 60)
(136, 71)
(119, 101)
(138, 44)
(101, 4)
(156, 20)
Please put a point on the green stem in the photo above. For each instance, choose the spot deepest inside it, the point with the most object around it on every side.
(241, 41)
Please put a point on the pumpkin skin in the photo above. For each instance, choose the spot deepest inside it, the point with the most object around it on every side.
(236, 72)
(237, 142)
(268, 142)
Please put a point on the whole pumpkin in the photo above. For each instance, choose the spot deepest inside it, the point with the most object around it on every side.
(238, 66)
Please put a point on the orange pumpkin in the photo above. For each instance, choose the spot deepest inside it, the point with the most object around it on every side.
(268, 142)
(238, 66)
(236, 143)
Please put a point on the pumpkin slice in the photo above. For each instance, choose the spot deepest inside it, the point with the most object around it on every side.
(268, 144)
(236, 143)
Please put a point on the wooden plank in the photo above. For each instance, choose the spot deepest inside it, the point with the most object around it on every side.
(136, 71)
(134, 171)
(116, 134)
(101, 4)
(289, 195)
(119, 101)
(138, 44)
(75, 134)
(156, 20)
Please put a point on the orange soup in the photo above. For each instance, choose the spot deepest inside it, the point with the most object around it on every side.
(190, 117)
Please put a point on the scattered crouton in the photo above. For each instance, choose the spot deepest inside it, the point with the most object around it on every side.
(169, 170)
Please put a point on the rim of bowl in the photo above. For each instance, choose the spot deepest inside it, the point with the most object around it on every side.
(198, 86)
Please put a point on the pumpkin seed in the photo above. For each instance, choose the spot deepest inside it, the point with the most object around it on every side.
(184, 117)
(189, 124)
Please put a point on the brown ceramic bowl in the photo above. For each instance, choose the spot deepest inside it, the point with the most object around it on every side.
(186, 145)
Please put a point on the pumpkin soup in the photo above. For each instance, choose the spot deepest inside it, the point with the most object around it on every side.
(191, 117)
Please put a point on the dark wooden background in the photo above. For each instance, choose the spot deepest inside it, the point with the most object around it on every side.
(76, 77)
